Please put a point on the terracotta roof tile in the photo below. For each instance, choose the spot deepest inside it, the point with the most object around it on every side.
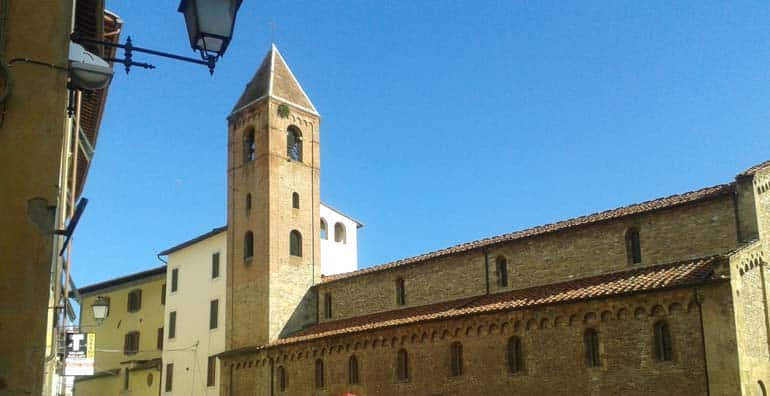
(754, 169)
(664, 276)
(656, 204)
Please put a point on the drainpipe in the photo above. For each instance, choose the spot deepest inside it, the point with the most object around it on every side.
(699, 302)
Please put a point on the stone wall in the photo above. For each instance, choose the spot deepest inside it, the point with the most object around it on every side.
(695, 230)
(552, 344)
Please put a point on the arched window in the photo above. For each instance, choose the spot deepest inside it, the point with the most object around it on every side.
(663, 346)
(249, 148)
(456, 350)
(295, 243)
(400, 292)
(515, 359)
(402, 365)
(633, 246)
(282, 380)
(319, 373)
(324, 229)
(248, 245)
(502, 271)
(591, 341)
(248, 202)
(339, 233)
(327, 305)
(294, 143)
(295, 200)
(353, 370)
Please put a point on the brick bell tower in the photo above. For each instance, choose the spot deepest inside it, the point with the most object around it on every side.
(273, 245)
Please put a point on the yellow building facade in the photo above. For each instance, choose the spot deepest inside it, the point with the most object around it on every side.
(129, 341)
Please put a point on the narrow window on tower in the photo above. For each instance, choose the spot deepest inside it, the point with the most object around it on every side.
(339, 233)
(295, 243)
(319, 373)
(248, 203)
(591, 340)
(248, 146)
(324, 229)
(294, 143)
(295, 200)
(515, 359)
(402, 365)
(456, 350)
(353, 370)
(327, 305)
(400, 292)
(663, 346)
(633, 246)
(502, 272)
(248, 245)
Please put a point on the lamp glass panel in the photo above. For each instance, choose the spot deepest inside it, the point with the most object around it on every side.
(100, 311)
(215, 17)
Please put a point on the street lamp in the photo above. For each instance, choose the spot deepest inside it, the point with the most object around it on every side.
(101, 308)
(210, 24)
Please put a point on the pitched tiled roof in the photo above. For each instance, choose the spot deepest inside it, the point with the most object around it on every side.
(754, 169)
(648, 206)
(274, 79)
(679, 274)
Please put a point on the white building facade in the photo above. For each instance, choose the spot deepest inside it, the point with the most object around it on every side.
(339, 241)
(194, 324)
(196, 287)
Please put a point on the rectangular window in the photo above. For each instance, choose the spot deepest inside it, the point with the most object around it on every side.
(160, 339)
(169, 376)
(163, 294)
(328, 306)
(211, 377)
(131, 343)
(135, 300)
(214, 314)
(174, 279)
(171, 325)
(400, 292)
(215, 265)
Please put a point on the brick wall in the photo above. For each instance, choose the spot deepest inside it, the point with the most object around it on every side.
(694, 230)
(552, 344)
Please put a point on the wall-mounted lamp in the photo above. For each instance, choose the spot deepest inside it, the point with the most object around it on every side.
(101, 308)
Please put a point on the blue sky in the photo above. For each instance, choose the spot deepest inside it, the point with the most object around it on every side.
(443, 122)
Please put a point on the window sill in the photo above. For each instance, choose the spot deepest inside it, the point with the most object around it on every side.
(248, 260)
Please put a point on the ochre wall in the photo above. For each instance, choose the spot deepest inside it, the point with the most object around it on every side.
(690, 231)
(110, 334)
(552, 343)
(31, 132)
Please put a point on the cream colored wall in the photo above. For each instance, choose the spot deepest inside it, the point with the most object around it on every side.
(338, 257)
(194, 342)
(110, 334)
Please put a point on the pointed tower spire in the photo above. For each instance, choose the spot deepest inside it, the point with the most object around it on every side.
(275, 80)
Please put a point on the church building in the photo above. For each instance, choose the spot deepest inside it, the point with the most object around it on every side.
(662, 297)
